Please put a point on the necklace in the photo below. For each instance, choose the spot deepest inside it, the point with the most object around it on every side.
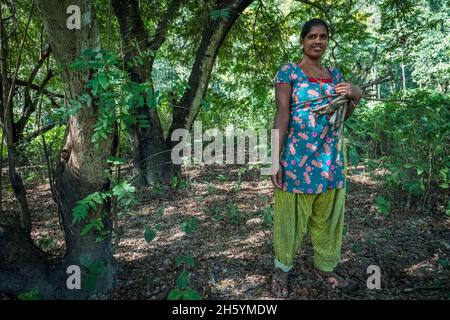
(321, 89)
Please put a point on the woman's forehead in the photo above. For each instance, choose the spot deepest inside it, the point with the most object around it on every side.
(318, 30)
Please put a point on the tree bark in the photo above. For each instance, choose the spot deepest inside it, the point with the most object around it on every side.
(81, 169)
(213, 36)
(151, 153)
(82, 166)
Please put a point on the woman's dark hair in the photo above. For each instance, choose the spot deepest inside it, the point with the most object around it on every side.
(311, 23)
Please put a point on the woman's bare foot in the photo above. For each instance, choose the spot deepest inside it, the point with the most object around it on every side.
(331, 278)
(280, 283)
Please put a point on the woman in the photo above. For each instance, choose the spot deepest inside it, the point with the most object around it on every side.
(310, 182)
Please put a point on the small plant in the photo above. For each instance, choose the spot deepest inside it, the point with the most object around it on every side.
(357, 248)
(158, 189)
(32, 177)
(217, 213)
(344, 231)
(241, 173)
(221, 178)
(190, 225)
(198, 198)
(33, 294)
(233, 213)
(211, 188)
(94, 270)
(149, 234)
(382, 206)
(178, 183)
(160, 212)
(267, 214)
(182, 291)
(46, 243)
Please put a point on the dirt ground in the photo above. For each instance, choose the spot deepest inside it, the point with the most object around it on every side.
(232, 245)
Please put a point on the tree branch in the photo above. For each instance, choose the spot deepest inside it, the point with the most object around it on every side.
(44, 55)
(213, 35)
(30, 105)
(161, 30)
(37, 133)
(23, 83)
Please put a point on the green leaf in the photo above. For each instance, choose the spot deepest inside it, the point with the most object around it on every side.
(92, 205)
(149, 234)
(444, 185)
(221, 177)
(79, 212)
(267, 218)
(97, 268)
(188, 260)
(182, 280)
(382, 205)
(175, 294)
(191, 294)
(95, 84)
(190, 225)
(94, 224)
(90, 282)
(139, 60)
(86, 260)
(116, 161)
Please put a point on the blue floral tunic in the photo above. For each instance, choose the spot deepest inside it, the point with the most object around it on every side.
(309, 161)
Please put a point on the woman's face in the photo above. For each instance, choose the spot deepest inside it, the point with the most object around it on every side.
(315, 42)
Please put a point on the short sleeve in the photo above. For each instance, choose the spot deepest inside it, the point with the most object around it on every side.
(283, 75)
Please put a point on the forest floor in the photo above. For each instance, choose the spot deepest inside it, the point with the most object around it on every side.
(232, 245)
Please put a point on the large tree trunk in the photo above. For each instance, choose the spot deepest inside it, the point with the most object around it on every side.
(151, 154)
(82, 166)
(213, 36)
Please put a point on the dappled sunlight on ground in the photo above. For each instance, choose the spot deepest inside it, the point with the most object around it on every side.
(232, 245)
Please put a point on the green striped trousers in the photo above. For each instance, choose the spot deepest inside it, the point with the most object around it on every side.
(321, 214)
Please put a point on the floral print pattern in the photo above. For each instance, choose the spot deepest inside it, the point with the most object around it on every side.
(309, 161)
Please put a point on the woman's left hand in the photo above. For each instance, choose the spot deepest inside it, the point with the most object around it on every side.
(351, 91)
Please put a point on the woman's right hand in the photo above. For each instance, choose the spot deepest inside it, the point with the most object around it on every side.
(277, 179)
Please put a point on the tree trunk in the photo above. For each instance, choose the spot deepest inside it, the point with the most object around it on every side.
(213, 36)
(80, 171)
(6, 116)
(151, 154)
(403, 74)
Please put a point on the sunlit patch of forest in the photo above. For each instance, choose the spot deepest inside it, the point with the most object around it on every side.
(87, 112)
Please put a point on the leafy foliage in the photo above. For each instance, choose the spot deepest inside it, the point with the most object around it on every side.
(411, 141)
